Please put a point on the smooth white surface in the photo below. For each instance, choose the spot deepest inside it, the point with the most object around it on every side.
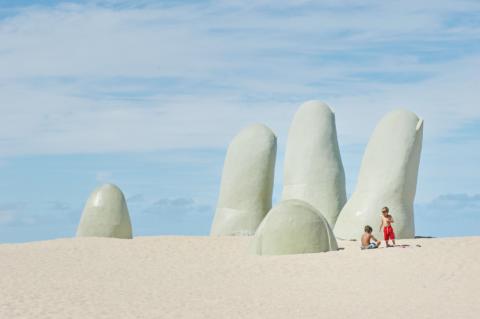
(313, 169)
(388, 177)
(247, 182)
(105, 214)
(293, 227)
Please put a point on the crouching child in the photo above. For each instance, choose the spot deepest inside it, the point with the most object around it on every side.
(368, 240)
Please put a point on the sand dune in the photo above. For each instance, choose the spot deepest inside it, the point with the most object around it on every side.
(201, 277)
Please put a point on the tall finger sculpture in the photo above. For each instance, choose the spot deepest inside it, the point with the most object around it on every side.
(313, 166)
(388, 177)
(247, 182)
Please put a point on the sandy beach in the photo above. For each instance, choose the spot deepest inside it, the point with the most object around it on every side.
(202, 277)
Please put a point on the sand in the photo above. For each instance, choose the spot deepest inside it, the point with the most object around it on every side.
(201, 277)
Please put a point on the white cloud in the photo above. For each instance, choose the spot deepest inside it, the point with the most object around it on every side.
(6, 217)
(451, 205)
(449, 215)
(103, 176)
(123, 77)
(179, 207)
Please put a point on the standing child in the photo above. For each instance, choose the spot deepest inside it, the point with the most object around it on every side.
(386, 224)
(367, 238)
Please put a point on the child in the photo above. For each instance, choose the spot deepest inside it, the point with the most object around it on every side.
(367, 238)
(386, 224)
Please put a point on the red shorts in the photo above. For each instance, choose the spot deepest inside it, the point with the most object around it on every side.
(388, 233)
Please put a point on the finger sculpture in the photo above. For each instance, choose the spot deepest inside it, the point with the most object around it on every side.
(293, 227)
(313, 169)
(247, 182)
(105, 214)
(388, 177)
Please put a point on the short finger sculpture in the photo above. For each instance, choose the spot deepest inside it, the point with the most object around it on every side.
(105, 214)
(388, 177)
(293, 227)
(247, 182)
(313, 167)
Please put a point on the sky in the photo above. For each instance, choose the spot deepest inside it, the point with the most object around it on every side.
(148, 94)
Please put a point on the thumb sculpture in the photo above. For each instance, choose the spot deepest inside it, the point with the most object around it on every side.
(313, 166)
(293, 227)
(388, 177)
(105, 214)
(247, 182)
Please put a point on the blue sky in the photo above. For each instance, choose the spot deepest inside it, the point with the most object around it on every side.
(147, 95)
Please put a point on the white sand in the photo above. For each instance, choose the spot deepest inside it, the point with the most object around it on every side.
(200, 277)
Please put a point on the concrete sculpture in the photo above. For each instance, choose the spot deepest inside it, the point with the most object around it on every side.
(313, 167)
(247, 182)
(105, 214)
(388, 177)
(293, 227)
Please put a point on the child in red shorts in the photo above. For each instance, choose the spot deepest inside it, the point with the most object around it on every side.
(386, 224)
